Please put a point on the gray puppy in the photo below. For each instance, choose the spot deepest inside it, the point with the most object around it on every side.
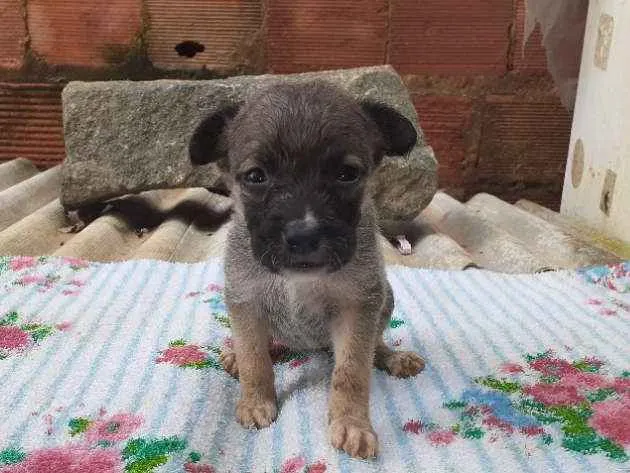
(303, 265)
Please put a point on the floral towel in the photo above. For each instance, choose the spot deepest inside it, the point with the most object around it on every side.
(114, 368)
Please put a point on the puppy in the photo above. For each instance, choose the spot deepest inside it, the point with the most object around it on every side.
(303, 265)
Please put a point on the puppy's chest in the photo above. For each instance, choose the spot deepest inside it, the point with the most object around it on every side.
(302, 315)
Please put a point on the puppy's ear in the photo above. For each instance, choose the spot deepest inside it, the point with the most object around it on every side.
(207, 143)
(399, 135)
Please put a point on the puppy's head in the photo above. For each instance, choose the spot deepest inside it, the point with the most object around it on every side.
(299, 157)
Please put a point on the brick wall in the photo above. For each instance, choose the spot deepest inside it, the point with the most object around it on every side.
(484, 99)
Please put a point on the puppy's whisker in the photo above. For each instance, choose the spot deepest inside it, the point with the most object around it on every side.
(261, 260)
(337, 260)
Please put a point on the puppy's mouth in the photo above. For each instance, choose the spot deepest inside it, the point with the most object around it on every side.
(280, 257)
(303, 268)
(306, 266)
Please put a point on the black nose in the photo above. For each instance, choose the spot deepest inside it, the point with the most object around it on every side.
(301, 237)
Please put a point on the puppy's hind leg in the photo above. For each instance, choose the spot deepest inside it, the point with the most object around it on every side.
(227, 357)
(228, 361)
(402, 364)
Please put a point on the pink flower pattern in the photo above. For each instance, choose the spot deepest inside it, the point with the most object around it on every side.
(198, 468)
(319, 467)
(32, 279)
(102, 445)
(554, 394)
(577, 398)
(609, 306)
(13, 338)
(496, 423)
(441, 437)
(117, 428)
(612, 419)
(76, 262)
(18, 336)
(553, 367)
(584, 381)
(46, 274)
(621, 386)
(184, 355)
(298, 464)
(607, 311)
(299, 362)
(293, 465)
(413, 426)
(63, 326)
(22, 262)
(511, 368)
(69, 459)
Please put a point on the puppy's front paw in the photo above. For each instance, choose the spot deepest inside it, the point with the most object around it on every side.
(354, 437)
(404, 364)
(256, 413)
(228, 360)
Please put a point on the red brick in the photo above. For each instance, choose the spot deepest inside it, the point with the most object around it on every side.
(530, 56)
(30, 123)
(446, 123)
(227, 29)
(449, 36)
(92, 33)
(12, 34)
(305, 35)
(523, 141)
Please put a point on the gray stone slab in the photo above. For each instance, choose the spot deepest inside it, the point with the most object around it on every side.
(126, 137)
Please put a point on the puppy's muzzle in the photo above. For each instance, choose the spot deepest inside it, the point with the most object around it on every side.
(303, 244)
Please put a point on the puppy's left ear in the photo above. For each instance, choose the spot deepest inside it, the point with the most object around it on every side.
(398, 134)
(208, 143)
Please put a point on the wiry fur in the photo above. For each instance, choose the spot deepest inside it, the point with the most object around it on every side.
(302, 135)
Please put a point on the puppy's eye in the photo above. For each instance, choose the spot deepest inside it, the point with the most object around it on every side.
(255, 176)
(348, 174)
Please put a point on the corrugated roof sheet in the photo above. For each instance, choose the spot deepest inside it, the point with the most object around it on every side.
(190, 225)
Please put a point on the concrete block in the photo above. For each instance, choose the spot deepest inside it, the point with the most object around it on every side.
(126, 137)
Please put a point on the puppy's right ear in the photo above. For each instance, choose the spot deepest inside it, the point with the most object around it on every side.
(208, 143)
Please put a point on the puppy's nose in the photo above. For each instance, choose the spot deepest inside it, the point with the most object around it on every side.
(302, 237)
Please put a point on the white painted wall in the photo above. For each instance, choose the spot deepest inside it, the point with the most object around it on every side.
(601, 124)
